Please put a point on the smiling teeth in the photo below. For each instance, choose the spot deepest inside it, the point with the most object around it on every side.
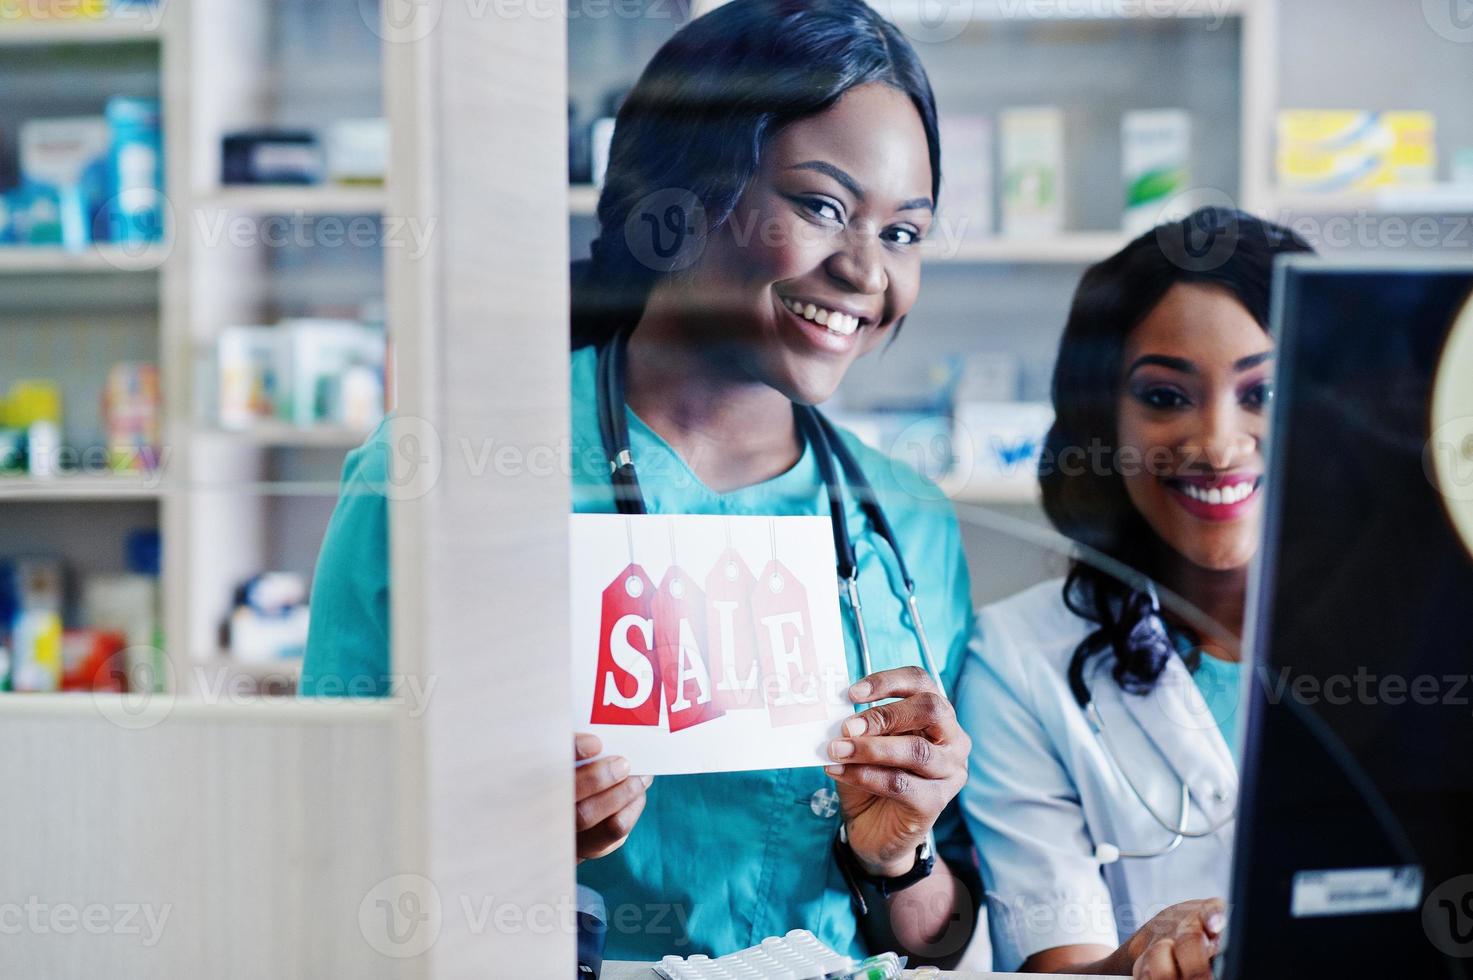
(1219, 495)
(839, 323)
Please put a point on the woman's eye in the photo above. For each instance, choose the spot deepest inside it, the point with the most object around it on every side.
(821, 208)
(1259, 395)
(903, 236)
(1161, 397)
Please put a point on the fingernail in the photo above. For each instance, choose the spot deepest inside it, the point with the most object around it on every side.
(647, 780)
(853, 727)
(834, 770)
(860, 691)
(840, 749)
(1216, 923)
(620, 768)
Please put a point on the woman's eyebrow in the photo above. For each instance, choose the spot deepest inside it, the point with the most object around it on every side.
(1187, 367)
(1175, 363)
(852, 186)
(1252, 360)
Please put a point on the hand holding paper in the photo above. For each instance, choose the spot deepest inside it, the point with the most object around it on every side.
(899, 765)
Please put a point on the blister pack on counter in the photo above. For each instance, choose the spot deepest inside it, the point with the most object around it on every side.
(797, 956)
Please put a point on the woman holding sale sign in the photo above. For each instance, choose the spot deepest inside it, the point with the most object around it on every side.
(771, 177)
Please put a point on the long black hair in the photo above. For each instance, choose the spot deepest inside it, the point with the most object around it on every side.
(692, 130)
(1215, 246)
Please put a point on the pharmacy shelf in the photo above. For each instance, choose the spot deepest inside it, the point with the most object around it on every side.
(286, 436)
(583, 200)
(1071, 248)
(990, 492)
(145, 26)
(1436, 199)
(934, 14)
(81, 487)
(297, 199)
(48, 259)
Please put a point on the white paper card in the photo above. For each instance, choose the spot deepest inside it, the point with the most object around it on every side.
(707, 643)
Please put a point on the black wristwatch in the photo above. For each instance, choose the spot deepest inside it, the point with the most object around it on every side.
(861, 881)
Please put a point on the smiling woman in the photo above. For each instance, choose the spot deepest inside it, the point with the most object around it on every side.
(1105, 778)
(770, 177)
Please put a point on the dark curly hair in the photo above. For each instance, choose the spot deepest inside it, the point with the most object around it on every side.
(1216, 246)
(701, 114)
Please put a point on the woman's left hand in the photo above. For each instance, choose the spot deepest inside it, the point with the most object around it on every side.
(899, 765)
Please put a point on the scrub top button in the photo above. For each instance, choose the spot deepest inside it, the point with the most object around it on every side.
(824, 802)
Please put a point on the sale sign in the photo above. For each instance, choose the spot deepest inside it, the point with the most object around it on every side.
(715, 668)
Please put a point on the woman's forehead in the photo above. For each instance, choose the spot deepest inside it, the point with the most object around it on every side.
(873, 133)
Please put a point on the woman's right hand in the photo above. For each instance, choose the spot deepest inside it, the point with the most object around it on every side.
(1178, 944)
(608, 801)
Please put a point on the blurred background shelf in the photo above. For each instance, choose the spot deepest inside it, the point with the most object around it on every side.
(996, 492)
(142, 26)
(1436, 199)
(1074, 248)
(322, 199)
(284, 435)
(45, 259)
(583, 200)
(98, 487)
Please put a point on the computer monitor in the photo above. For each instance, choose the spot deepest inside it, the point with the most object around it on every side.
(1354, 846)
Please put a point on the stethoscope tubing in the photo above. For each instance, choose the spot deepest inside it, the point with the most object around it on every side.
(828, 446)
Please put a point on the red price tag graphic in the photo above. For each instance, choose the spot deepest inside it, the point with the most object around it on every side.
(785, 646)
(680, 628)
(627, 690)
(732, 643)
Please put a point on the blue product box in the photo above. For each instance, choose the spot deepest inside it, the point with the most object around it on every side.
(136, 209)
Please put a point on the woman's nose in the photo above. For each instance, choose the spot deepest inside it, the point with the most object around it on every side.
(1223, 440)
(859, 265)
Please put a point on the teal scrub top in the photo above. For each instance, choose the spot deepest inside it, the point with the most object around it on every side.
(717, 862)
(1218, 681)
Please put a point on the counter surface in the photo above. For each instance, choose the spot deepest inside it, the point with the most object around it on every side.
(620, 970)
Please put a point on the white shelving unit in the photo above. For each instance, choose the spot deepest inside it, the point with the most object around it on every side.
(227, 504)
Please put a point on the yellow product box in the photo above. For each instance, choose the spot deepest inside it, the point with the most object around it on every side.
(1351, 150)
(11, 10)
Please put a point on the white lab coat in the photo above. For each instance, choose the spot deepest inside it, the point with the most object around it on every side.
(1043, 792)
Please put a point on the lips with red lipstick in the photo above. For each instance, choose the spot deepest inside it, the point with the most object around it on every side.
(1224, 497)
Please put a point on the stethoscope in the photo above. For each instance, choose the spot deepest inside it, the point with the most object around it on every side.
(613, 426)
(1107, 853)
